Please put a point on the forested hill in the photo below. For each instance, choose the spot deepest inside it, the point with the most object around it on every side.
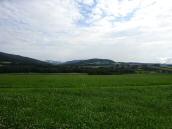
(10, 63)
(19, 60)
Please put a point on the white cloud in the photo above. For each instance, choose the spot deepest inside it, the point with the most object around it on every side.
(125, 30)
(167, 60)
(88, 2)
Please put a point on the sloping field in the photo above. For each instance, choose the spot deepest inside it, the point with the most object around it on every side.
(85, 102)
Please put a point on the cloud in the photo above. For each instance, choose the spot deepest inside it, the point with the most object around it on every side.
(122, 30)
(167, 60)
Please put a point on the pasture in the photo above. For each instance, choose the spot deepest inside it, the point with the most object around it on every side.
(40, 101)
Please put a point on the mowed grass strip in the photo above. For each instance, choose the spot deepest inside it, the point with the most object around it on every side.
(82, 101)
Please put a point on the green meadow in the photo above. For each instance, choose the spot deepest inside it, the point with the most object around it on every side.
(50, 101)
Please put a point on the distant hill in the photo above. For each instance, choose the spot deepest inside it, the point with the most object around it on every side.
(53, 62)
(73, 62)
(93, 62)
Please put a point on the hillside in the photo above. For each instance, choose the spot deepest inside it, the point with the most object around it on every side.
(6, 59)
(10, 63)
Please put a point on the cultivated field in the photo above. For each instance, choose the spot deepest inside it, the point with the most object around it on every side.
(82, 102)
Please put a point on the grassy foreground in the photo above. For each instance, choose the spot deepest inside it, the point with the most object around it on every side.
(84, 102)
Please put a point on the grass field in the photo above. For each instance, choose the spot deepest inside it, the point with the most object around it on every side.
(138, 101)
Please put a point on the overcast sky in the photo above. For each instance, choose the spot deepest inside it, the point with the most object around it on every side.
(122, 30)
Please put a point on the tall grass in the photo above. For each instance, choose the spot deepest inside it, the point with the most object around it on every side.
(84, 102)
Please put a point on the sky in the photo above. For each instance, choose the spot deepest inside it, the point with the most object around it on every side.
(61, 30)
